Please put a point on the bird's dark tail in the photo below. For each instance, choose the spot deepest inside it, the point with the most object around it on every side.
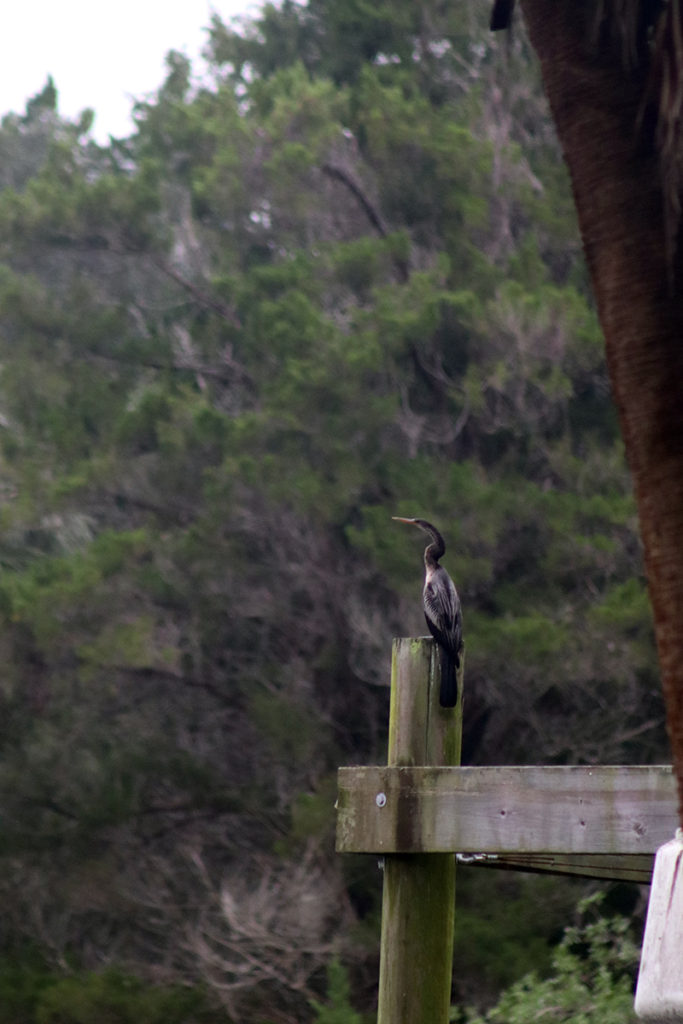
(448, 693)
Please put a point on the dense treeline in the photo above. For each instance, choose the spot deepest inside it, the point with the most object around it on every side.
(337, 280)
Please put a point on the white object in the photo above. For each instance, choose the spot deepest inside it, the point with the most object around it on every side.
(659, 993)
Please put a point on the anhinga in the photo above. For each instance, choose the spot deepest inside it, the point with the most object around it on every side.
(442, 611)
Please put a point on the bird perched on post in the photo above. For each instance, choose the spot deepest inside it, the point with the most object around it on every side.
(442, 611)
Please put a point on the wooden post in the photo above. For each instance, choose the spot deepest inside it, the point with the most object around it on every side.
(418, 905)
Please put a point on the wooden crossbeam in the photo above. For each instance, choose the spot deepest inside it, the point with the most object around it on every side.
(518, 813)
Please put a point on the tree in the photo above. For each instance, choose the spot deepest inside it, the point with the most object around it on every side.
(613, 78)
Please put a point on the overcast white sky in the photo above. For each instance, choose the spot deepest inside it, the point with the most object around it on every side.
(100, 55)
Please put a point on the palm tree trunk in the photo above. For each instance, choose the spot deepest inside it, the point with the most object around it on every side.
(596, 103)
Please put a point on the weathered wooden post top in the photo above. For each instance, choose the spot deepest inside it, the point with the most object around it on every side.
(421, 810)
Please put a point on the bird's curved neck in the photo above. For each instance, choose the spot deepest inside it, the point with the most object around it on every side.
(435, 550)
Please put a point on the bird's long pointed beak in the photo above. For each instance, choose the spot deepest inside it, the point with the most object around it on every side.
(400, 519)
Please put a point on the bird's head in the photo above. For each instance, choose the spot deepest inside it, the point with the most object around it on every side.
(437, 547)
(421, 524)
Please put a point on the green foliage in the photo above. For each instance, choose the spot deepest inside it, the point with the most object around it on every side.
(337, 1008)
(24, 979)
(592, 981)
(517, 920)
(31, 993)
(114, 998)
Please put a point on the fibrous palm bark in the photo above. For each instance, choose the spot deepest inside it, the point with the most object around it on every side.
(612, 72)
